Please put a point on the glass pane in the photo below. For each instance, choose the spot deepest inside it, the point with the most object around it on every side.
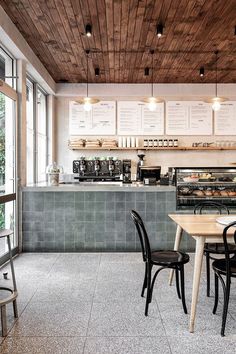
(7, 165)
(7, 64)
(41, 136)
(30, 132)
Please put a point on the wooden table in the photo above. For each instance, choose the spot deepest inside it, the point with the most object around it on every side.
(204, 229)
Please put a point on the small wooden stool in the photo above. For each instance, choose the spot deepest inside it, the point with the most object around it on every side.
(11, 298)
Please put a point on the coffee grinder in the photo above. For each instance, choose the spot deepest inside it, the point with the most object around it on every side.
(140, 163)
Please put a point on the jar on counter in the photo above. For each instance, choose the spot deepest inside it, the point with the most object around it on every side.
(150, 143)
(155, 143)
(165, 144)
(176, 143)
(160, 142)
(170, 143)
(145, 143)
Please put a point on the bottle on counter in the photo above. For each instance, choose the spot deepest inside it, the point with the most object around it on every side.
(160, 142)
(170, 143)
(165, 144)
(145, 143)
(176, 143)
(155, 143)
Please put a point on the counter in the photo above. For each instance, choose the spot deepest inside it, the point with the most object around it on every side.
(80, 218)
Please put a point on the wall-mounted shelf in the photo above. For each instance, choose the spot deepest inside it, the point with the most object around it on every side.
(182, 148)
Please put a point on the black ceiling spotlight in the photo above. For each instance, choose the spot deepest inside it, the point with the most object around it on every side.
(160, 28)
(146, 72)
(88, 30)
(97, 72)
(202, 71)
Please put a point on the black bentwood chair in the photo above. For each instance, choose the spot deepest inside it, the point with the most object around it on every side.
(212, 248)
(164, 259)
(224, 267)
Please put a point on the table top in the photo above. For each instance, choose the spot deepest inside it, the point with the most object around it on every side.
(201, 225)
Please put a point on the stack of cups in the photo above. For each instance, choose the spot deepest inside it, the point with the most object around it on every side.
(128, 142)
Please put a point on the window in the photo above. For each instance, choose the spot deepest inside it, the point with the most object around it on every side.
(37, 140)
(41, 136)
(30, 131)
(7, 67)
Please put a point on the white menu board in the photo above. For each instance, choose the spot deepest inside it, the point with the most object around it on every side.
(134, 118)
(188, 118)
(225, 119)
(101, 120)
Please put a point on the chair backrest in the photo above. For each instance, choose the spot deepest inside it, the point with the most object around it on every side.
(228, 252)
(145, 245)
(211, 205)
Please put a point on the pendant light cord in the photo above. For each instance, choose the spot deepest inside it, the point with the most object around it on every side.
(87, 74)
(152, 52)
(216, 53)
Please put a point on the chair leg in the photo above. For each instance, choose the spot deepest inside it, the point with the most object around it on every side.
(144, 281)
(183, 289)
(177, 282)
(149, 274)
(208, 274)
(216, 294)
(4, 320)
(225, 309)
(15, 310)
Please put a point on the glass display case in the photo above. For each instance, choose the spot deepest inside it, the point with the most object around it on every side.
(196, 184)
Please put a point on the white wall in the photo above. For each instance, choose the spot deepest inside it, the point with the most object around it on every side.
(163, 158)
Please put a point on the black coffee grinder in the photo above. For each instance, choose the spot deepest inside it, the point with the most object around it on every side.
(140, 163)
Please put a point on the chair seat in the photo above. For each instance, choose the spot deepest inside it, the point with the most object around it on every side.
(218, 248)
(166, 258)
(219, 265)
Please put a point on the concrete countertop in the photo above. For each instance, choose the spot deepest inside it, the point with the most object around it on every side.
(93, 187)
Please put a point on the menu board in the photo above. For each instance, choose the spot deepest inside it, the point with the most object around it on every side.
(225, 119)
(188, 118)
(101, 120)
(134, 118)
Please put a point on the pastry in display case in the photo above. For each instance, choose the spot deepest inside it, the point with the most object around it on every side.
(196, 184)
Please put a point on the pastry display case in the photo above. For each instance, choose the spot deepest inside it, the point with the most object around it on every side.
(197, 184)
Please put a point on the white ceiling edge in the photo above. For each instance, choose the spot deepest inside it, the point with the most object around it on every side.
(14, 42)
(137, 91)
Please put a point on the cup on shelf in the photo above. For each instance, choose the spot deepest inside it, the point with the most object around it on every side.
(128, 142)
(133, 142)
(136, 142)
(124, 142)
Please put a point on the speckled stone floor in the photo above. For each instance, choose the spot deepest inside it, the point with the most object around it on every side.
(91, 304)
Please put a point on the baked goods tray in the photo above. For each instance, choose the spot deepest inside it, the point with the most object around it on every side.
(223, 184)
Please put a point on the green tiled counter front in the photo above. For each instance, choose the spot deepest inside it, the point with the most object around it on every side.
(80, 221)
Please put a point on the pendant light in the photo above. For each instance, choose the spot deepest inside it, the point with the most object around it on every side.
(152, 101)
(216, 101)
(87, 101)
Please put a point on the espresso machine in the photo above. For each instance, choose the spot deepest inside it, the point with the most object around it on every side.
(102, 170)
(140, 163)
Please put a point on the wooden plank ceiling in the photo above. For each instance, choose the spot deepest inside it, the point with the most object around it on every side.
(124, 31)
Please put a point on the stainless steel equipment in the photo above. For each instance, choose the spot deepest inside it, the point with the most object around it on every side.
(196, 184)
(98, 170)
(140, 163)
(150, 173)
(127, 171)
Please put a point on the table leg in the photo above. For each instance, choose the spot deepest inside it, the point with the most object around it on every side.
(200, 241)
(178, 236)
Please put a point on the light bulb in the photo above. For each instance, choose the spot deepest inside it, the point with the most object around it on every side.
(87, 106)
(216, 106)
(152, 104)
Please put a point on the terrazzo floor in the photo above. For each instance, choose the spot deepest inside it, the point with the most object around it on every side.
(91, 304)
